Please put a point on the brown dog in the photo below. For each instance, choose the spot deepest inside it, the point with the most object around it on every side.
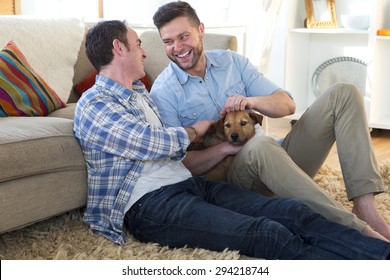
(237, 128)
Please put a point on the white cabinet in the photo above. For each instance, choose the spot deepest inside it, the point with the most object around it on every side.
(306, 49)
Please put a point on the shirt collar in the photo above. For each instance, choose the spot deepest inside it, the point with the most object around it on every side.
(117, 89)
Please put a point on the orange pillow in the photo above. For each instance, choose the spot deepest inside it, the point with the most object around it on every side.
(89, 81)
(146, 82)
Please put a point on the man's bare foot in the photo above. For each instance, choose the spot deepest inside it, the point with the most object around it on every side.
(368, 231)
(365, 209)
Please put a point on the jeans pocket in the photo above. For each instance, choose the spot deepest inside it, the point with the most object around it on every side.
(139, 207)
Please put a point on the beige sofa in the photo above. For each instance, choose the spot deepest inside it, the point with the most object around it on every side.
(42, 169)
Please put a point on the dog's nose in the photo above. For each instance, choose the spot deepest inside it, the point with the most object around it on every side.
(234, 136)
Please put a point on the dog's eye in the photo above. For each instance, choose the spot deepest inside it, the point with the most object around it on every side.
(243, 123)
(228, 125)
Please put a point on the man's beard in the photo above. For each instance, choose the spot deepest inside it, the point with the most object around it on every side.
(196, 55)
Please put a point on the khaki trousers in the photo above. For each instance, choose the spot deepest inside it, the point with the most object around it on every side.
(287, 171)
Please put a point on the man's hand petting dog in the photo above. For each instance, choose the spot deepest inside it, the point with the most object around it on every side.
(236, 103)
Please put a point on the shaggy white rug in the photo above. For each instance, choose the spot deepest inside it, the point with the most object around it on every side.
(66, 237)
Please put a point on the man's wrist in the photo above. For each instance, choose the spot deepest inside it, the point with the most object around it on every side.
(191, 131)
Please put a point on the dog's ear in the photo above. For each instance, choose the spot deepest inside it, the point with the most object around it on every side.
(256, 117)
(219, 125)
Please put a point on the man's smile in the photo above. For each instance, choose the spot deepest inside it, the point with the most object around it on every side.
(183, 55)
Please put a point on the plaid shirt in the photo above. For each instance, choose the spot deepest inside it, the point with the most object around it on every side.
(116, 139)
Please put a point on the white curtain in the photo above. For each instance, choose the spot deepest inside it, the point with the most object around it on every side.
(270, 14)
(261, 27)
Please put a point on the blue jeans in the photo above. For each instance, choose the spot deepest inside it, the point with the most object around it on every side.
(217, 215)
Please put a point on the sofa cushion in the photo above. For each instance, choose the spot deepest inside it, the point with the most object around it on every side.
(67, 112)
(38, 145)
(30, 199)
(23, 92)
(51, 46)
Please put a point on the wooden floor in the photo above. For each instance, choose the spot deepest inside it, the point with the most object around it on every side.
(380, 139)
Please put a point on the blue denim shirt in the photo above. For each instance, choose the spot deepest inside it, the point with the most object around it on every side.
(183, 99)
(116, 140)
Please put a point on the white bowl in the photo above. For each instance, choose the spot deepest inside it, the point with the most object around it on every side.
(355, 21)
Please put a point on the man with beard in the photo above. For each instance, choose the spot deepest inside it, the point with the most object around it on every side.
(205, 85)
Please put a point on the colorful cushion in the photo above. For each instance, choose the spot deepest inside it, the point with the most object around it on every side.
(22, 91)
(90, 80)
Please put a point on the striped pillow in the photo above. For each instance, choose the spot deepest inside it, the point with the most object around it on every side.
(22, 91)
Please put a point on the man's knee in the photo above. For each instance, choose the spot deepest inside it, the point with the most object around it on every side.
(260, 145)
(348, 92)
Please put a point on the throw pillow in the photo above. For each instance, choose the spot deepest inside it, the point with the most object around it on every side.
(89, 81)
(23, 92)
